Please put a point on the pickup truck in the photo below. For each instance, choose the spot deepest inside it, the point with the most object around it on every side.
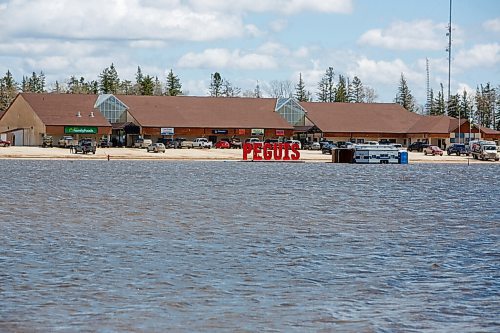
(197, 143)
(67, 141)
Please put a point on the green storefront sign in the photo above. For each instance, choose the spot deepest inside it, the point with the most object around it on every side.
(80, 130)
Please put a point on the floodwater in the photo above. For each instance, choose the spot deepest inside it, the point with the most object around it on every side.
(145, 246)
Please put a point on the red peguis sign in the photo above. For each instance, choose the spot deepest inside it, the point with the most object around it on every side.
(259, 151)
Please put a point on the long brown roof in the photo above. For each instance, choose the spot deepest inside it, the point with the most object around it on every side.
(435, 124)
(360, 117)
(62, 109)
(204, 112)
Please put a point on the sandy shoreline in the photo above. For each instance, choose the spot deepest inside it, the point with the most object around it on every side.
(55, 153)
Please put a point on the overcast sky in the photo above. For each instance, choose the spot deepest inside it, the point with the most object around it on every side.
(250, 41)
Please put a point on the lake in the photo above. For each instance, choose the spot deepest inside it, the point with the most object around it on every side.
(155, 246)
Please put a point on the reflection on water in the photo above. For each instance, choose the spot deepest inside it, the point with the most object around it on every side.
(229, 246)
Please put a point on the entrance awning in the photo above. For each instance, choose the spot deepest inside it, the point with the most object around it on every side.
(306, 129)
(129, 127)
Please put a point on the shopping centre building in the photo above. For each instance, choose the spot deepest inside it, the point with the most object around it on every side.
(124, 118)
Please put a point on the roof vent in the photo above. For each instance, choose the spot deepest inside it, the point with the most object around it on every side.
(91, 114)
(78, 114)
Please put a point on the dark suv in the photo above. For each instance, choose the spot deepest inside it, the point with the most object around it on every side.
(457, 148)
(418, 146)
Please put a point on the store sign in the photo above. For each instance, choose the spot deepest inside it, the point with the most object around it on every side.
(280, 132)
(80, 130)
(241, 131)
(219, 131)
(257, 131)
(167, 131)
(259, 151)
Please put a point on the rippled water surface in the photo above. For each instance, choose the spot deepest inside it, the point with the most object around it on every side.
(134, 246)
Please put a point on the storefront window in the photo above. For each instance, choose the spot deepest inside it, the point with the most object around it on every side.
(112, 108)
(289, 109)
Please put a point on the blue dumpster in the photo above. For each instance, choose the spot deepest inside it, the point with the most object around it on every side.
(403, 157)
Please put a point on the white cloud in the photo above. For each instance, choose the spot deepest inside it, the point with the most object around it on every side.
(417, 35)
(147, 44)
(278, 25)
(223, 58)
(253, 30)
(483, 55)
(492, 25)
(115, 20)
(464, 86)
(386, 72)
(283, 6)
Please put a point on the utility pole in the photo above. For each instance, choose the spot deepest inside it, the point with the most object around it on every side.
(428, 105)
(448, 49)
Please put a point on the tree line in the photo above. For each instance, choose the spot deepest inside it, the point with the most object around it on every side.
(483, 108)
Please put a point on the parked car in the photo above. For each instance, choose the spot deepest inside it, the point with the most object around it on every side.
(328, 148)
(433, 150)
(104, 143)
(294, 142)
(47, 141)
(178, 142)
(457, 148)
(252, 140)
(325, 142)
(168, 142)
(418, 146)
(314, 146)
(142, 143)
(85, 146)
(222, 144)
(272, 141)
(236, 142)
(156, 147)
(4, 143)
(345, 144)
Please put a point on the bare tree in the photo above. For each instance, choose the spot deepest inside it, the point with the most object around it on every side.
(281, 88)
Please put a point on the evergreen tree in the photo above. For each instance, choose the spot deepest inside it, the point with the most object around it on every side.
(173, 85)
(326, 87)
(147, 86)
(109, 82)
(93, 87)
(216, 85)
(453, 106)
(485, 105)
(300, 90)
(465, 106)
(439, 105)
(158, 87)
(430, 106)
(8, 90)
(356, 92)
(139, 77)
(80, 86)
(34, 83)
(257, 92)
(404, 96)
(57, 88)
(497, 113)
(126, 87)
(341, 90)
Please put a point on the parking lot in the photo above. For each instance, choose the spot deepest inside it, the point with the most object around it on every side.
(18, 152)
